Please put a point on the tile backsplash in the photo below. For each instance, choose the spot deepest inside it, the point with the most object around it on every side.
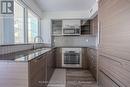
(80, 41)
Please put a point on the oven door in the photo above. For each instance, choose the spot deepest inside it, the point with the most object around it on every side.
(71, 58)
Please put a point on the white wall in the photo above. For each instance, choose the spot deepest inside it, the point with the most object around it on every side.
(48, 16)
(46, 30)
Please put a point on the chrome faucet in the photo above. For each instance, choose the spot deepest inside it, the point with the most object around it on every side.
(35, 39)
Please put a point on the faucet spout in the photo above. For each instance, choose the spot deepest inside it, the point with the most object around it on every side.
(35, 41)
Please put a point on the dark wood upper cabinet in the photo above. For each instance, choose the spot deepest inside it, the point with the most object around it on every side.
(85, 27)
(94, 25)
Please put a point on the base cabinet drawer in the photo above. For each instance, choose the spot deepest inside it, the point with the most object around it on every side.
(105, 81)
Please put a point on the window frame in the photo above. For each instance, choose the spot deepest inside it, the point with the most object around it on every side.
(20, 4)
(25, 20)
(39, 23)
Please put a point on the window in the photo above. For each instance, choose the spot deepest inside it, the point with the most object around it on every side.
(18, 23)
(1, 36)
(26, 24)
(32, 26)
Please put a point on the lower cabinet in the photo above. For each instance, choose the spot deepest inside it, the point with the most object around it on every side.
(41, 69)
(58, 57)
(84, 59)
(117, 69)
(105, 81)
(37, 72)
(92, 61)
(50, 64)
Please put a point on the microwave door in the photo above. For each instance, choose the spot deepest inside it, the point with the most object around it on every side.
(69, 31)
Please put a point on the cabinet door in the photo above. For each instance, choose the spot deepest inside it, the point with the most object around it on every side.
(44, 72)
(92, 61)
(50, 64)
(114, 48)
(36, 72)
(34, 66)
(105, 81)
(53, 59)
(57, 27)
(58, 57)
(94, 25)
(84, 58)
(37, 79)
(85, 27)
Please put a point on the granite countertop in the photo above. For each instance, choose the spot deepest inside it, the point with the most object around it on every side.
(28, 55)
(92, 47)
(24, 56)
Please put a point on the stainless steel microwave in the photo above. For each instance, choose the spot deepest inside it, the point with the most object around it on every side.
(71, 31)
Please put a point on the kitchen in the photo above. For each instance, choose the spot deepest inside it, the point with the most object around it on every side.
(65, 43)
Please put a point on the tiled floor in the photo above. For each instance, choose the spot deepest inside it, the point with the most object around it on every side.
(58, 78)
(72, 78)
(79, 78)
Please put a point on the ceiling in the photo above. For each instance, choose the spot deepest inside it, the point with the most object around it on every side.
(65, 5)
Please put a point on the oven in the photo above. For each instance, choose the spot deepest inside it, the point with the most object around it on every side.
(71, 57)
